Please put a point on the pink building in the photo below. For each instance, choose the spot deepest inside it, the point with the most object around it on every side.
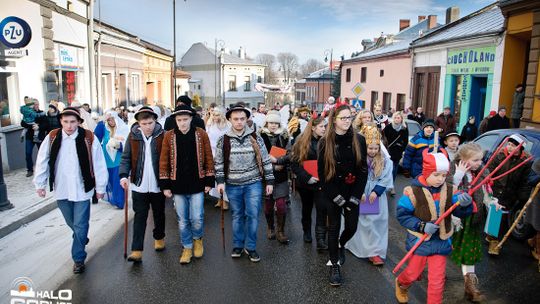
(381, 73)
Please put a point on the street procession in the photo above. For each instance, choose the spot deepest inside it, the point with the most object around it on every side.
(138, 169)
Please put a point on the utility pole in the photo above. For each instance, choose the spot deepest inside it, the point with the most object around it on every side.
(174, 51)
(326, 53)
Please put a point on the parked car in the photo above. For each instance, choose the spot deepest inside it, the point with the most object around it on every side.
(490, 141)
(412, 126)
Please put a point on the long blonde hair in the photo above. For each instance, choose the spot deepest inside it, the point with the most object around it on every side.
(358, 119)
(223, 122)
(329, 143)
(399, 113)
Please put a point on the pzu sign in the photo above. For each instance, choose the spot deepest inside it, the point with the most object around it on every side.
(15, 32)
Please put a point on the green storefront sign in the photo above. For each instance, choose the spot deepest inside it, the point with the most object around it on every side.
(480, 60)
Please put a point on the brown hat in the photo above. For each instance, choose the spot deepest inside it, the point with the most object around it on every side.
(73, 112)
(237, 107)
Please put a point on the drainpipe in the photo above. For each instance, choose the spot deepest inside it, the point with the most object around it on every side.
(91, 60)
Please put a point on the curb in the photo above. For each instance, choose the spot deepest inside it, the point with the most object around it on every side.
(48, 205)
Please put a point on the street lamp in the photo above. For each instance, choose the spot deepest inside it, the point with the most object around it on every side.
(221, 44)
(174, 51)
(326, 53)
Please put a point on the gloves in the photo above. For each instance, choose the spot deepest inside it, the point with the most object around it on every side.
(464, 199)
(339, 200)
(312, 180)
(429, 228)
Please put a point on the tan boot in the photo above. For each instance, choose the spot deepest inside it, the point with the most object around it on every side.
(280, 235)
(198, 249)
(225, 205)
(159, 245)
(402, 294)
(493, 250)
(472, 293)
(135, 256)
(187, 253)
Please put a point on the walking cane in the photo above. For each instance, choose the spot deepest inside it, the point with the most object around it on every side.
(125, 221)
(451, 209)
(222, 202)
(520, 215)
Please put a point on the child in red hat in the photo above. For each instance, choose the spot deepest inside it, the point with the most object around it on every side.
(422, 203)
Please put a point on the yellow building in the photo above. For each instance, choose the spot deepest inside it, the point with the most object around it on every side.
(521, 57)
(158, 75)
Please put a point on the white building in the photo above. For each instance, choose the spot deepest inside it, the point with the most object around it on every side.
(222, 77)
(47, 57)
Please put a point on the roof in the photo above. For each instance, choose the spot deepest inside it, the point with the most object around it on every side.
(397, 44)
(323, 73)
(485, 22)
(230, 59)
(156, 48)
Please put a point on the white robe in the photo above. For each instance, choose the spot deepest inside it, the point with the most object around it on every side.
(371, 237)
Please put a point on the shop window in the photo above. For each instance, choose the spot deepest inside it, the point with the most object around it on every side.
(259, 79)
(8, 87)
(348, 75)
(232, 83)
(247, 83)
(68, 85)
(363, 75)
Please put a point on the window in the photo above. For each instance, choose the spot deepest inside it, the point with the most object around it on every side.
(8, 91)
(135, 89)
(247, 83)
(259, 79)
(363, 75)
(374, 98)
(381, 73)
(199, 87)
(400, 102)
(232, 83)
(387, 99)
(348, 75)
(68, 85)
(488, 142)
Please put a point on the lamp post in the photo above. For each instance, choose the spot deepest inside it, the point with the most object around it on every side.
(4, 201)
(174, 50)
(221, 44)
(326, 53)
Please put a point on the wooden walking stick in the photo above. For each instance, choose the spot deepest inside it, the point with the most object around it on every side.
(222, 202)
(520, 215)
(125, 221)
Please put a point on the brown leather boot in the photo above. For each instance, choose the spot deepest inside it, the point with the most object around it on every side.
(402, 293)
(536, 248)
(281, 237)
(270, 230)
(472, 293)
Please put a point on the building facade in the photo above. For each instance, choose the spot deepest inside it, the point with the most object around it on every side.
(157, 77)
(318, 87)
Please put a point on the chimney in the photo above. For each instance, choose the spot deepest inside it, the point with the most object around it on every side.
(403, 24)
(421, 18)
(452, 14)
(366, 43)
(432, 21)
(242, 53)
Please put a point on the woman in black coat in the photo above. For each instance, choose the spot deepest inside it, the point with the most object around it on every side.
(396, 136)
(469, 131)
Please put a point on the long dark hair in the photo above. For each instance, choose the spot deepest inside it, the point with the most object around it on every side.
(300, 148)
(329, 143)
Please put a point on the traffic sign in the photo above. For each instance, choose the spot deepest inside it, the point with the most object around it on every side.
(358, 89)
(357, 103)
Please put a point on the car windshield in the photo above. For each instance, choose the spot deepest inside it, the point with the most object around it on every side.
(413, 128)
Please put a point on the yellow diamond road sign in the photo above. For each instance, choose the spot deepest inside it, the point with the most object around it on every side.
(358, 89)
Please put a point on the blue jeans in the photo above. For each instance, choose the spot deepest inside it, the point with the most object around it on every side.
(190, 211)
(245, 202)
(29, 148)
(77, 216)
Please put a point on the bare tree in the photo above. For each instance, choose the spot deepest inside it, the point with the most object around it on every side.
(310, 66)
(288, 62)
(270, 61)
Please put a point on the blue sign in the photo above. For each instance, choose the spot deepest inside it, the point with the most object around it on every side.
(357, 103)
(16, 33)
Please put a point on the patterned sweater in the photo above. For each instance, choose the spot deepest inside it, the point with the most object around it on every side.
(243, 166)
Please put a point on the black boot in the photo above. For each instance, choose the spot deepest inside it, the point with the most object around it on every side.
(281, 236)
(307, 236)
(341, 256)
(320, 236)
(270, 230)
(335, 275)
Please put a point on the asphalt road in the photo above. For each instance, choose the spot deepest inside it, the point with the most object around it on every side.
(286, 274)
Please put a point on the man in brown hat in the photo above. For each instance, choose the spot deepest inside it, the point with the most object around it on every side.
(72, 161)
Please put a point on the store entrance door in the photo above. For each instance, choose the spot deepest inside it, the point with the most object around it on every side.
(477, 100)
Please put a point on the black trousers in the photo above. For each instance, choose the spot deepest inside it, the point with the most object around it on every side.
(309, 199)
(141, 204)
(350, 213)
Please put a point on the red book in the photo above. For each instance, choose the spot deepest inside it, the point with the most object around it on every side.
(311, 167)
(277, 152)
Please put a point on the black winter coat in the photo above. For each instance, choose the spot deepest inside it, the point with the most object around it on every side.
(497, 122)
(396, 141)
(281, 141)
(302, 176)
(469, 132)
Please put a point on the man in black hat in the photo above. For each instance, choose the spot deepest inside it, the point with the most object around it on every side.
(72, 161)
(499, 121)
(243, 166)
(197, 121)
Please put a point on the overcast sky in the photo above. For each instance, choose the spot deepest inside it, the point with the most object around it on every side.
(304, 27)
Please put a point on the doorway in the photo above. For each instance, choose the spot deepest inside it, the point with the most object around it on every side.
(477, 100)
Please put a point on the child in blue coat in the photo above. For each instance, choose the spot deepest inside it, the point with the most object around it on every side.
(412, 160)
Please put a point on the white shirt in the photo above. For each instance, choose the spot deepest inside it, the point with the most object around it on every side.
(148, 182)
(69, 183)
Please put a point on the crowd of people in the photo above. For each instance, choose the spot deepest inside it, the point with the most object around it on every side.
(343, 162)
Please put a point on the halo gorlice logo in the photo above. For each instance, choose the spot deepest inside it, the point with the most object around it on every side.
(22, 292)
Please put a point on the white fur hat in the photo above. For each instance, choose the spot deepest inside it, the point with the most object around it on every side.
(273, 116)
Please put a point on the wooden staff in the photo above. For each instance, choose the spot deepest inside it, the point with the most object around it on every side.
(520, 215)
(221, 203)
(125, 221)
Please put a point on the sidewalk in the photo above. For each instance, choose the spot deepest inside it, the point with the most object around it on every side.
(28, 205)
(35, 241)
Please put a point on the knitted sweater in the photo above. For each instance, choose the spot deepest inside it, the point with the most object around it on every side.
(243, 166)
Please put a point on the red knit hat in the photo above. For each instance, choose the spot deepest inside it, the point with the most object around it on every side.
(434, 162)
